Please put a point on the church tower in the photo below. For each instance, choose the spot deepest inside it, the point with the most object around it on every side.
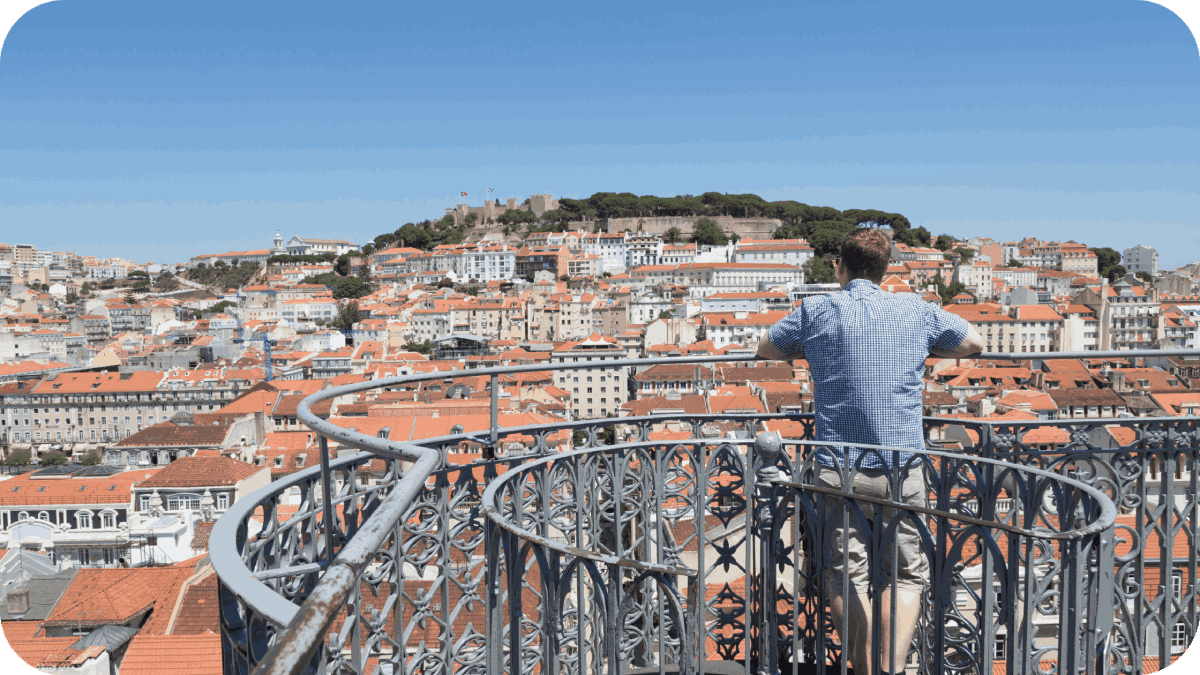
(278, 249)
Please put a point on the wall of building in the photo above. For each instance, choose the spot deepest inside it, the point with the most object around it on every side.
(747, 228)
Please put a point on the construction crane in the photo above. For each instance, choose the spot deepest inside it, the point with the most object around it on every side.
(267, 344)
(266, 341)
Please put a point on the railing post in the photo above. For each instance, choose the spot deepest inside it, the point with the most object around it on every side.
(490, 451)
(327, 501)
(767, 447)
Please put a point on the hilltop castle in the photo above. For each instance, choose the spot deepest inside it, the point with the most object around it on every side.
(539, 204)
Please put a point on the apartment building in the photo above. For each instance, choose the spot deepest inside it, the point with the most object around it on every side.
(976, 275)
(1000, 332)
(1129, 316)
(598, 390)
(704, 279)
(789, 254)
(530, 261)
(78, 516)
(104, 407)
(740, 328)
(1140, 258)
(1039, 328)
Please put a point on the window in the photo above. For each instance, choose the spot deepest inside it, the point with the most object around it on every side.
(1000, 647)
(1177, 584)
(84, 520)
(223, 501)
(144, 502)
(108, 520)
(1179, 638)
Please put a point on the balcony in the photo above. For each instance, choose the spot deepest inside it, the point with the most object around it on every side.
(703, 555)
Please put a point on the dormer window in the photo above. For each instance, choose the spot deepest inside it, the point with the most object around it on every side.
(279, 461)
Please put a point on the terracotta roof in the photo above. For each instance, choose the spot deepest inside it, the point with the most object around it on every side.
(691, 405)
(176, 654)
(664, 372)
(114, 596)
(201, 472)
(1073, 397)
(170, 434)
(286, 405)
(200, 536)
(198, 612)
(27, 489)
(53, 652)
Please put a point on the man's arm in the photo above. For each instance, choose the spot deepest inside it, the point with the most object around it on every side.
(768, 351)
(972, 344)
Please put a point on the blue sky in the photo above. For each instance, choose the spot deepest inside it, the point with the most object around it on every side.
(158, 131)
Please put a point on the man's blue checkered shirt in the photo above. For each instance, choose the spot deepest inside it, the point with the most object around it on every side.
(866, 349)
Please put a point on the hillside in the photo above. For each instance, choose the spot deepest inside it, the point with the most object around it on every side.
(822, 226)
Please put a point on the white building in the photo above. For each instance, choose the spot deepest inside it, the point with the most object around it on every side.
(791, 253)
(1140, 258)
(490, 263)
(598, 390)
(704, 279)
(308, 246)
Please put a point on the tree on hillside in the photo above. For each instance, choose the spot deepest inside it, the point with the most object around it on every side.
(341, 266)
(347, 317)
(916, 238)
(342, 287)
(944, 242)
(412, 236)
(1115, 272)
(221, 306)
(1013, 262)
(818, 271)
(130, 298)
(1107, 263)
(965, 254)
(515, 217)
(672, 236)
(707, 232)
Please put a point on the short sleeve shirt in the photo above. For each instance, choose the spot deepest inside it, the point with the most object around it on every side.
(866, 349)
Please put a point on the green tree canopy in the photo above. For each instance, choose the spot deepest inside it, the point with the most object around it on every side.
(944, 242)
(672, 236)
(707, 232)
(342, 287)
(347, 316)
(17, 458)
(425, 347)
(53, 458)
(818, 271)
(412, 236)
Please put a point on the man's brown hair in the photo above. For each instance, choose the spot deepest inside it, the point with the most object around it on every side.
(865, 253)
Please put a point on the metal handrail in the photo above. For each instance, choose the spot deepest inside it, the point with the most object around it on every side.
(294, 649)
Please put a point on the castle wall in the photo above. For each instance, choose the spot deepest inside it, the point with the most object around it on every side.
(539, 204)
(747, 228)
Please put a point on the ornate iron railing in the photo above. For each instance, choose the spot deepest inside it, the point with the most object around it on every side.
(401, 581)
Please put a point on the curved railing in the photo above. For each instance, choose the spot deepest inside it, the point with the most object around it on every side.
(598, 565)
(399, 582)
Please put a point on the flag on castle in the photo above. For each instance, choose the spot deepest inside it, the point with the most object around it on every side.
(464, 194)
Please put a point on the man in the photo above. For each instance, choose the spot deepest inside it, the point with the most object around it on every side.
(867, 349)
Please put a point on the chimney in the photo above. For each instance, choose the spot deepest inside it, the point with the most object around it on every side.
(18, 601)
